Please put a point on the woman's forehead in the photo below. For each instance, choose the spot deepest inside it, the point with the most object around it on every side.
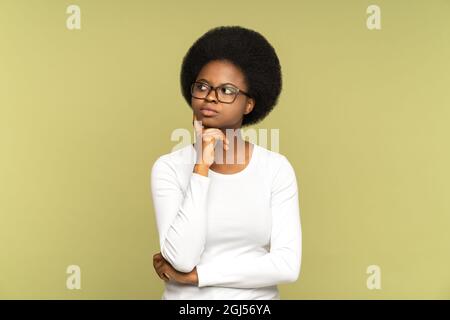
(219, 72)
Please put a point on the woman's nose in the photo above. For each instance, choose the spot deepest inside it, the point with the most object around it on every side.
(211, 96)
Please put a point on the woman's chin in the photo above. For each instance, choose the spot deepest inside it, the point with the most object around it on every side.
(209, 122)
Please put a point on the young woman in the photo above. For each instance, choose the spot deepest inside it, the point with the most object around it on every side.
(228, 229)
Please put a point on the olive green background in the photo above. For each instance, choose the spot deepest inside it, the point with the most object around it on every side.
(363, 118)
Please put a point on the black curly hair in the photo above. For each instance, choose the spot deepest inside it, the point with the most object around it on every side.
(250, 52)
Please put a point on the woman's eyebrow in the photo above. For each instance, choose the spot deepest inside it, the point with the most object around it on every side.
(204, 80)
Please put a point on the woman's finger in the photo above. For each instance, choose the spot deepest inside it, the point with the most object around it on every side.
(212, 141)
(163, 276)
(157, 263)
(163, 271)
(157, 257)
(215, 137)
(160, 269)
(166, 276)
(197, 126)
(217, 132)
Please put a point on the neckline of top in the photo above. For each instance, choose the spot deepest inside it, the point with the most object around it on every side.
(247, 168)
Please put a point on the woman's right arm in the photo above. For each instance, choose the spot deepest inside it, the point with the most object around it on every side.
(181, 217)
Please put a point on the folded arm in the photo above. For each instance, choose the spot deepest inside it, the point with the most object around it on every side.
(181, 216)
(282, 263)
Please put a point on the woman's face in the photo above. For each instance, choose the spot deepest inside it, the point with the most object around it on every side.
(229, 115)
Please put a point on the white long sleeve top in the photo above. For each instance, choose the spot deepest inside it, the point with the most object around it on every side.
(242, 231)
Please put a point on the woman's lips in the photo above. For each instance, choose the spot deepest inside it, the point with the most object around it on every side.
(208, 113)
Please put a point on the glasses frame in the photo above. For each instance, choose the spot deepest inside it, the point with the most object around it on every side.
(215, 90)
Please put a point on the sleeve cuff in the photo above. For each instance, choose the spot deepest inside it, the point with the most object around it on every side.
(203, 275)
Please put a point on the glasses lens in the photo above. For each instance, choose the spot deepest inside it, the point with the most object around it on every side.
(227, 93)
(199, 90)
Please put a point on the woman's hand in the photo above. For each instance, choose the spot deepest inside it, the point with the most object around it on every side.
(167, 273)
(209, 138)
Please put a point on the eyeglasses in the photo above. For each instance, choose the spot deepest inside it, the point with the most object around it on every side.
(225, 93)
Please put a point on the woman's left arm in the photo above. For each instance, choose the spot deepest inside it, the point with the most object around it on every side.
(282, 263)
(168, 273)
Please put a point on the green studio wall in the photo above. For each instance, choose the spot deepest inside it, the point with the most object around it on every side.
(363, 118)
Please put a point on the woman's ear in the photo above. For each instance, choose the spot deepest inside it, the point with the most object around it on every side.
(249, 106)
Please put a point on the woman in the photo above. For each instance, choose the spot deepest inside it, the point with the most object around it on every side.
(227, 229)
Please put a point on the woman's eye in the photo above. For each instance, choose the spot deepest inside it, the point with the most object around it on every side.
(228, 90)
(201, 87)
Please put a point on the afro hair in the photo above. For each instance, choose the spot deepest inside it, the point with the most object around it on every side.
(250, 52)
